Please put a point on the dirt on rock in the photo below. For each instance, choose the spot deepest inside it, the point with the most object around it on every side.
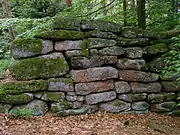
(100, 123)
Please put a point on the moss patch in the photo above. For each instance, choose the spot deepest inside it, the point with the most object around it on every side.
(60, 106)
(18, 87)
(53, 96)
(34, 68)
(28, 44)
(156, 49)
(16, 99)
(61, 35)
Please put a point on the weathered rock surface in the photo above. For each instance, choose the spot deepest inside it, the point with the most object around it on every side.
(113, 51)
(137, 76)
(52, 65)
(94, 61)
(36, 107)
(28, 47)
(17, 87)
(170, 86)
(53, 96)
(132, 32)
(100, 34)
(115, 106)
(100, 97)
(86, 109)
(69, 45)
(101, 43)
(94, 74)
(140, 106)
(16, 99)
(156, 49)
(60, 106)
(60, 84)
(145, 87)
(163, 107)
(158, 98)
(125, 42)
(125, 63)
(122, 87)
(77, 53)
(86, 88)
(133, 97)
(134, 52)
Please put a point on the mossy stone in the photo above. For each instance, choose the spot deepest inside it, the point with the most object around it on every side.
(67, 23)
(61, 35)
(53, 96)
(47, 66)
(17, 87)
(17, 99)
(156, 49)
(60, 106)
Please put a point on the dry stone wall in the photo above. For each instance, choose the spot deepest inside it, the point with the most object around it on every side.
(84, 66)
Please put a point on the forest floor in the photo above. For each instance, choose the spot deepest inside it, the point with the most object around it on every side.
(100, 123)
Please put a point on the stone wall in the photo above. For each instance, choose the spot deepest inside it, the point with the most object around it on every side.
(84, 66)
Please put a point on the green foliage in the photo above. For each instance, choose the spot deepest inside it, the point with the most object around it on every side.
(24, 112)
(4, 63)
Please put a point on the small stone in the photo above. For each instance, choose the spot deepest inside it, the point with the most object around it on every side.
(60, 84)
(71, 98)
(137, 76)
(170, 86)
(4, 108)
(94, 74)
(139, 106)
(36, 107)
(114, 50)
(101, 43)
(94, 52)
(134, 52)
(115, 106)
(53, 96)
(145, 87)
(86, 88)
(77, 105)
(125, 63)
(100, 97)
(132, 97)
(68, 45)
(122, 87)
(163, 107)
(80, 98)
(71, 93)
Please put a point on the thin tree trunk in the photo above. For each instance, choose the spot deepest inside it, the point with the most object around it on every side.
(141, 14)
(125, 11)
(105, 10)
(69, 3)
(6, 15)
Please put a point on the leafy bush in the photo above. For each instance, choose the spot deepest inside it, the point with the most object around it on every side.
(4, 63)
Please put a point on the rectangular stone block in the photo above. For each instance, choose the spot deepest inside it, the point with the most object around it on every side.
(93, 61)
(137, 76)
(145, 87)
(86, 88)
(101, 43)
(100, 97)
(94, 74)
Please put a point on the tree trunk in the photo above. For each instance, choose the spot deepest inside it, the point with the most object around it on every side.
(69, 3)
(6, 15)
(141, 14)
(104, 10)
(125, 12)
